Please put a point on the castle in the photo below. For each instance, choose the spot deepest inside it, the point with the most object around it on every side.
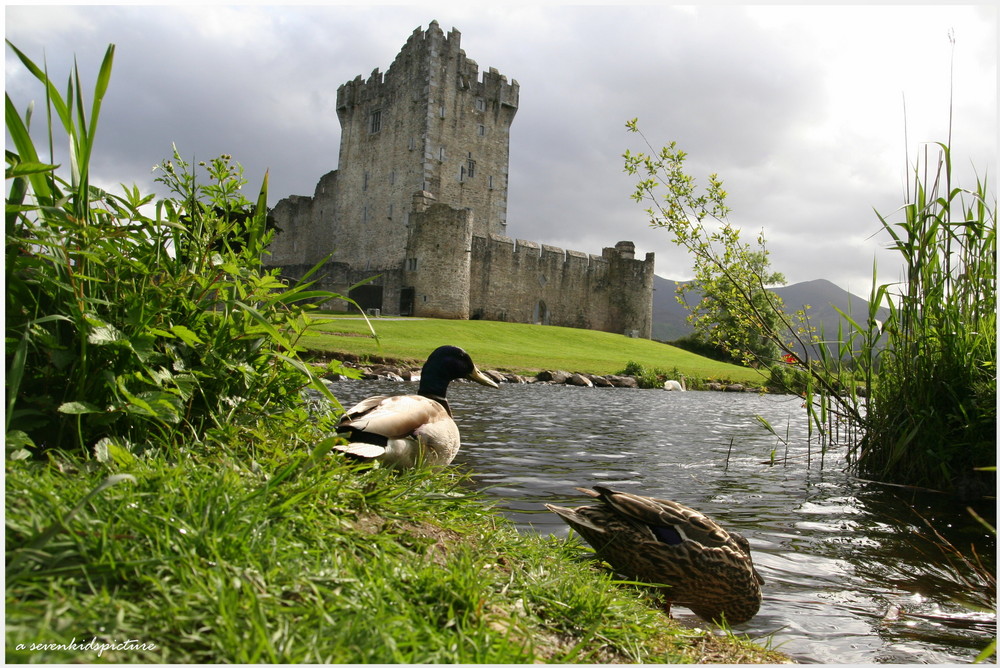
(419, 202)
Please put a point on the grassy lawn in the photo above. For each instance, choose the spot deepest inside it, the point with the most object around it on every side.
(269, 554)
(514, 347)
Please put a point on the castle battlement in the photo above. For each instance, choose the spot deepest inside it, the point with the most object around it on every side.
(577, 260)
(429, 56)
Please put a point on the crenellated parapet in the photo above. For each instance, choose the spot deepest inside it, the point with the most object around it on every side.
(431, 59)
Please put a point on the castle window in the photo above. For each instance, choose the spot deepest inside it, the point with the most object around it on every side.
(441, 111)
(375, 121)
(364, 185)
(491, 182)
(441, 153)
(411, 264)
(390, 211)
(471, 169)
(482, 130)
(480, 104)
(392, 177)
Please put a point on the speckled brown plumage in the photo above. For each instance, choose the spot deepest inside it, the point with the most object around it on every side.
(706, 568)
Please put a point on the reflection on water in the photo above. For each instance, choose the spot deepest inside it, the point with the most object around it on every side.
(851, 575)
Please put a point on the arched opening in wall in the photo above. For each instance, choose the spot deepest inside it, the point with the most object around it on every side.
(542, 315)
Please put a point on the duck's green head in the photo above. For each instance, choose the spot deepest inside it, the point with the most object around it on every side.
(449, 363)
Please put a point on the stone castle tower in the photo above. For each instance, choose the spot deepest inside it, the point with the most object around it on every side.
(428, 124)
(419, 200)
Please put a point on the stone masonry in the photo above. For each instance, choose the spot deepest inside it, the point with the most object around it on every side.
(419, 201)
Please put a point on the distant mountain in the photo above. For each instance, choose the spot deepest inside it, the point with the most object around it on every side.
(670, 318)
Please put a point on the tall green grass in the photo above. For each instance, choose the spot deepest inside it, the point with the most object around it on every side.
(126, 317)
(931, 417)
(281, 554)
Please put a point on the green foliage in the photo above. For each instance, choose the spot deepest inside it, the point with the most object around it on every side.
(788, 377)
(737, 312)
(646, 377)
(633, 368)
(127, 327)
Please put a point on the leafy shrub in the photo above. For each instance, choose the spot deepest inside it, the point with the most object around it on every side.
(694, 343)
(123, 325)
(646, 378)
(789, 378)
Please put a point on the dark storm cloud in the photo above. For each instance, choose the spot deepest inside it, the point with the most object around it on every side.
(797, 108)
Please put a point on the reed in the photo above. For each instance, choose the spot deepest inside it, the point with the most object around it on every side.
(931, 418)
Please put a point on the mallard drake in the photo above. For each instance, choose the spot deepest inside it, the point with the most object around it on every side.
(401, 431)
(705, 567)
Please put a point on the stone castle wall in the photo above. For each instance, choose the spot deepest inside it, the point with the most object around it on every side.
(449, 272)
(438, 263)
(515, 280)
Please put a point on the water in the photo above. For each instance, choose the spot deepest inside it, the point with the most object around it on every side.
(851, 576)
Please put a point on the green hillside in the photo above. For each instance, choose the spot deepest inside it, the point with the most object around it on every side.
(513, 347)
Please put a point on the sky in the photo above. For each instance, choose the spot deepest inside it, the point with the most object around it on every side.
(812, 115)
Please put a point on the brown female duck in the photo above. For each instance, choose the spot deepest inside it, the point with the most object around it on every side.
(704, 567)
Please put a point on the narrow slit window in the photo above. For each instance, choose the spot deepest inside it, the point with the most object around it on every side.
(375, 122)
